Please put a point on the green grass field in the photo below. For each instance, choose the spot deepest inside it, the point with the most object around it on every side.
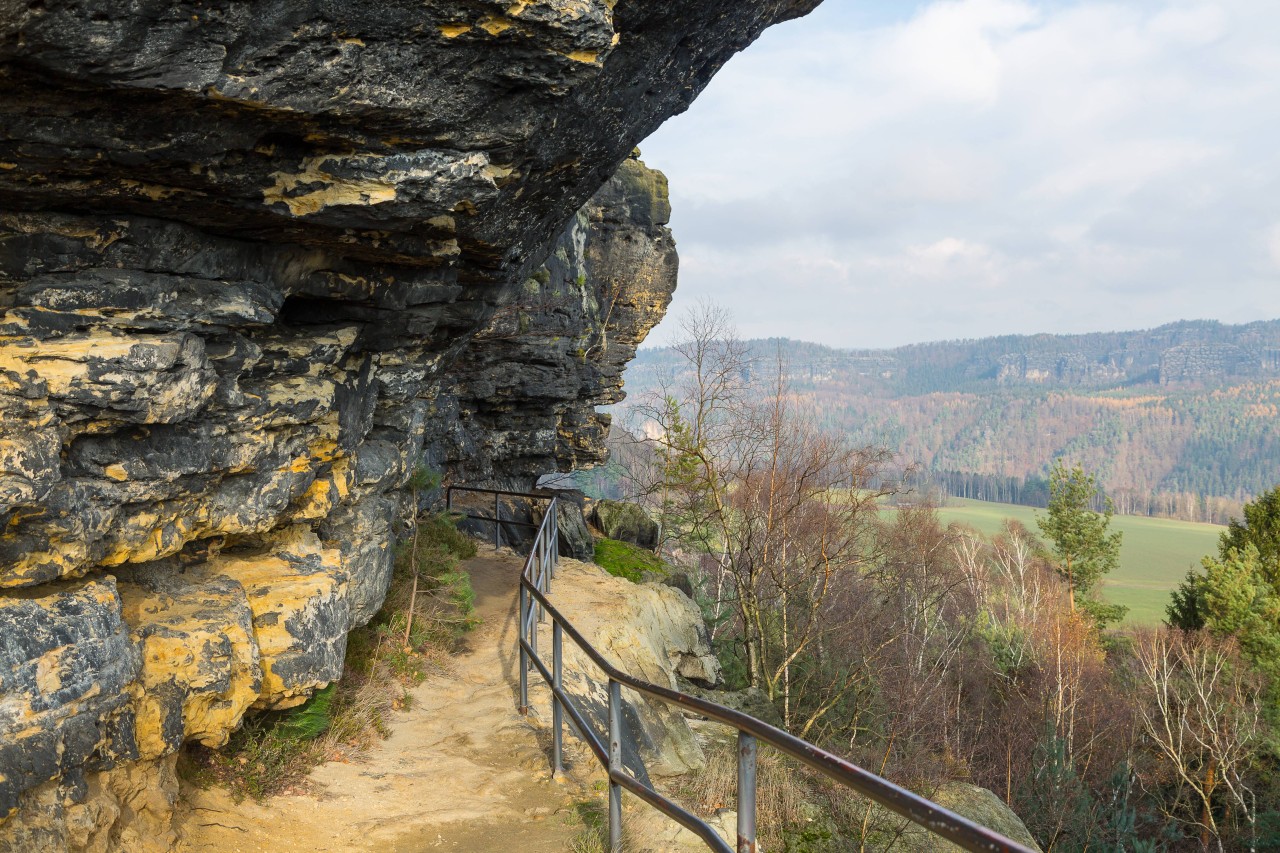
(1154, 554)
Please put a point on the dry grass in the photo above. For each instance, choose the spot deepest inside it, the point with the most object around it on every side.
(593, 836)
(797, 809)
(782, 791)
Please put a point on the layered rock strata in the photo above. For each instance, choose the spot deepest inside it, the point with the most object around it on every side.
(257, 262)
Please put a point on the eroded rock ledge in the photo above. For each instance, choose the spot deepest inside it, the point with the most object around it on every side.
(257, 261)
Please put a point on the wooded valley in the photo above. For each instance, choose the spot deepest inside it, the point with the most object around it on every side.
(1179, 421)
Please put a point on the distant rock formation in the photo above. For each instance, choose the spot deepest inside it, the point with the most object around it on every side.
(1200, 362)
(1070, 368)
(1190, 351)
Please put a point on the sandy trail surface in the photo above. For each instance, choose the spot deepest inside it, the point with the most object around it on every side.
(461, 770)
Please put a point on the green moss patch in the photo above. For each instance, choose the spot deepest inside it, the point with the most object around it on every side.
(624, 560)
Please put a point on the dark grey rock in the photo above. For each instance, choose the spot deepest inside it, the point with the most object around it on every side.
(362, 532)
(576, 540)
(680, 581)
(66, 660)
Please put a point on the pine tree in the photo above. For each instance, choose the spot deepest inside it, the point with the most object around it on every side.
(1253, 539)
(1083, 549)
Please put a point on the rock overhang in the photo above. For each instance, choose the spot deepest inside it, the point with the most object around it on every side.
(406, 133)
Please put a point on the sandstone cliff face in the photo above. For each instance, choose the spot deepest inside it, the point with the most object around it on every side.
(1201, 362)
(257, 261)
(522, 398)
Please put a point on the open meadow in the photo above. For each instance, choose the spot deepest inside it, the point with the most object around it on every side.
(1154, 554)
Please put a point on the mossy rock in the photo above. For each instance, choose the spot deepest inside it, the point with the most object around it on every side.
(642, 191)
(626, 522)
(624, 560)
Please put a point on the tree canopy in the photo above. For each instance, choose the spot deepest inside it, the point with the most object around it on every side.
(1260, 528)
(1238, 593)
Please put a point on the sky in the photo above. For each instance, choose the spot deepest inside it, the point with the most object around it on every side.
(885, 172)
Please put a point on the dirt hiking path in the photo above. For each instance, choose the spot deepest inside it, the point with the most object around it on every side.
(461, 771)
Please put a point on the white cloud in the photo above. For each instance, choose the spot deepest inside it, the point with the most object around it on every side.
(1273, 245)
(1199, 24)
(949, 51)
(985, 166)
(942, 173)
(952, 259)
(1123, 167)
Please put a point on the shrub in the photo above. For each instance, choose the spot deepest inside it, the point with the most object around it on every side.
(270, 751)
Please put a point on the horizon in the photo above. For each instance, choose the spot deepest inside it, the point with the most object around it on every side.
(646, 346)
(889, 172)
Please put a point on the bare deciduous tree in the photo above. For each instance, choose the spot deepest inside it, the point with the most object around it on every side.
(781, 506)
(1202, 715)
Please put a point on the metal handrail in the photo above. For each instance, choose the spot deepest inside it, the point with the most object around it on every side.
(497, 518)
(535, 579)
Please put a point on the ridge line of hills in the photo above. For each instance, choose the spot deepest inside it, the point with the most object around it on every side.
(1180, 420)
(1187, 351)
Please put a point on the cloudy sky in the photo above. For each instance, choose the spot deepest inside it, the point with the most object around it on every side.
(884, 172)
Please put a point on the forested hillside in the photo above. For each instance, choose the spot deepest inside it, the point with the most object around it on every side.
(1179, 420)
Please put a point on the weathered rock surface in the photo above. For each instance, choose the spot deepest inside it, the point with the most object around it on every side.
(625, 521)
(978, 804)
(127, 808)
(564, 341)
(66, 663)
(655, 633)
(650, 831)
(576, 540)
(259, 261)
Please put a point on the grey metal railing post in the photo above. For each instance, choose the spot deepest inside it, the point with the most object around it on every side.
(557, 713)
(524, 661)
(548, 561)
(615, 766)
(747, 750)
(497, 522)
(532, 627)
(555, 534)
(540, 547)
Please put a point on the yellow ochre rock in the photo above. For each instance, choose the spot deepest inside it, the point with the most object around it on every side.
(297, 593)
(200, 667)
